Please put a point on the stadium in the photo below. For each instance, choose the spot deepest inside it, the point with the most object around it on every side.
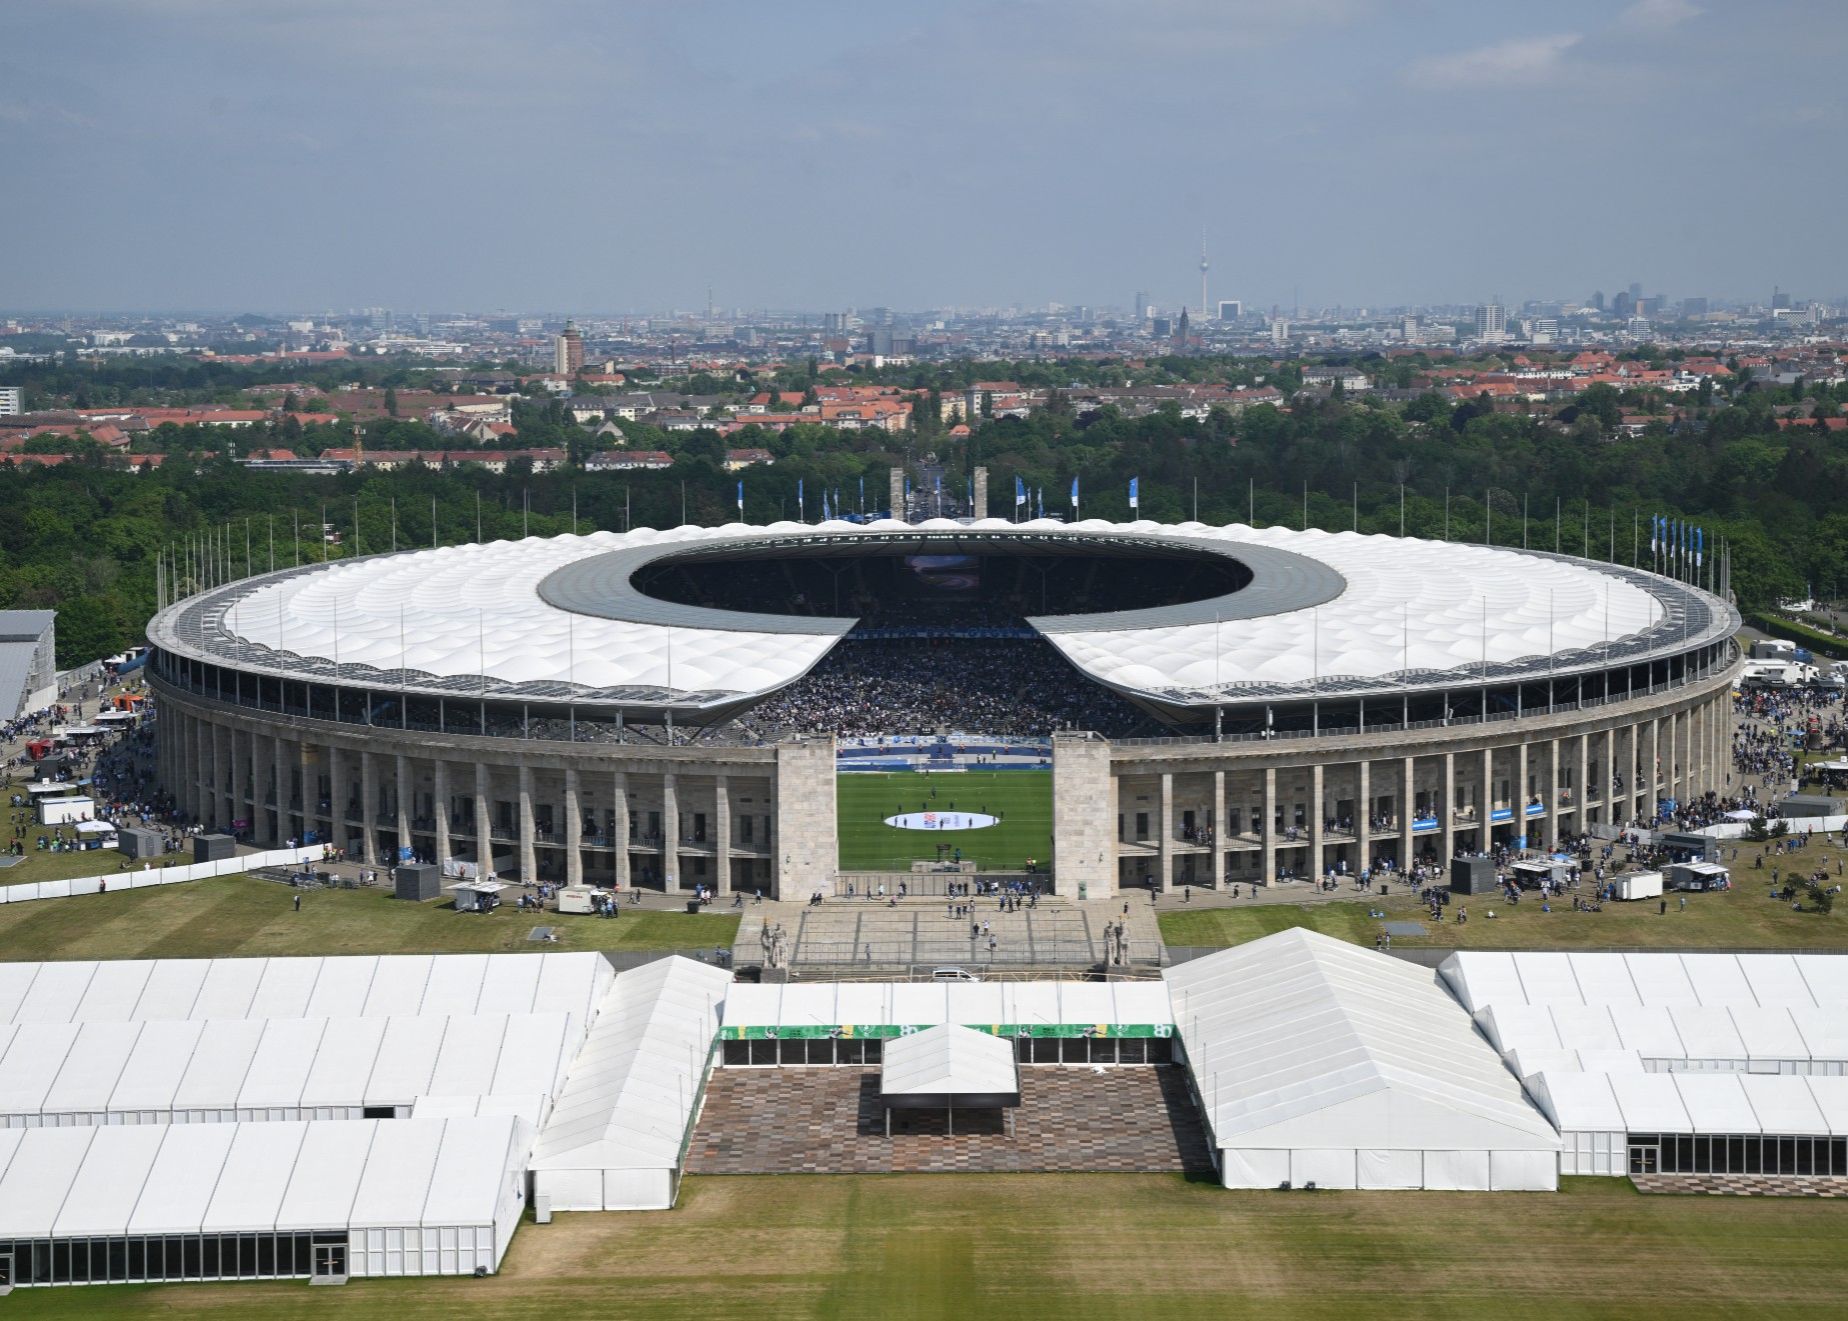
(779, 708)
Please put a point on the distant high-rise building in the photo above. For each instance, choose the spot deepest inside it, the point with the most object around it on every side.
(1780, 301)
(1161, 326)
(1140, 309)
(1491, 323)
(1231, 309)
(1597, 299)
(1636, 291)
(9, 401)
(1694, 307)
(1623, 305)
(568, 351)
(1409, 330)
(1279, 331)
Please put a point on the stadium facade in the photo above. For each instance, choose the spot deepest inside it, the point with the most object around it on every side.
(578, 708)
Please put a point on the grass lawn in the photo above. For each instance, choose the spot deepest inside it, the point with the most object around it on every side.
(1096, 1247)
(1022, 798)
(232, 915)
(1738, 918)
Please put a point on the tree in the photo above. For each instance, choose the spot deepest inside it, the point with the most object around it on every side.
(391, 402)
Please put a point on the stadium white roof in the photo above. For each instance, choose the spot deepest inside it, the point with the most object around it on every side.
(482, 618)
(1299, 1040)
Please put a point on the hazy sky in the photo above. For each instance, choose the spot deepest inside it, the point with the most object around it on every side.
(588, 155)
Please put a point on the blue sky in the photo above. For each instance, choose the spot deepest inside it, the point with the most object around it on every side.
(582, 155)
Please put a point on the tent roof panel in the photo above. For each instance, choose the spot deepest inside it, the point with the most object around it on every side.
(343, 1065)
(229, 987)
(285, 988)
(1783, 1103)
(398, 986)
(1649, 1102)
(455, 984)
(92, 1067)
(55, 993)
(396, 1182)
(103, 1193)
(1718, 980)
(471, 1049)
(328, 1169)
(280, 1067)
(1823, 978)
(113, 991)
(948, 1060)
(1715, 1102)
(219, 1065)
(1603, 979)
(184, 1176)
(162, 1053)
(31, 1064)
(470, 1165)
(406, 1060)
(341, 989)
(1661, 980)
(255, 1177)
(38, 1178)
(173, 986)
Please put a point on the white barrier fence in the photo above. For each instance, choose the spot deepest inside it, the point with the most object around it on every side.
(1793, 825)
(27, 891)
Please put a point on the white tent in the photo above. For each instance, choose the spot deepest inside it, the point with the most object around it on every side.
(260, 1200)
(615, 1138)
(948, 1066)
(1318, 1061)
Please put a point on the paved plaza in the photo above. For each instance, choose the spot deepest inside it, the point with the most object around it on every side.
(1127, 1119)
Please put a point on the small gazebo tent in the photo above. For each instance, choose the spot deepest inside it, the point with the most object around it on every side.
(947, 1067)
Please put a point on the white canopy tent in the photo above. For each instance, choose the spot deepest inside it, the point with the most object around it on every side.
(1318, 1061)
(101, 1205)
(615, 1138)
(944, 1067)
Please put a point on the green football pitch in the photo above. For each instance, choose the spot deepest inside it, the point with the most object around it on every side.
(1022, 799)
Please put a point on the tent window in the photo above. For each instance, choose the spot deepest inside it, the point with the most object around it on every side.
(378, 1112)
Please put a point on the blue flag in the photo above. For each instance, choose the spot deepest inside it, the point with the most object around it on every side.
(741, 500)
(1134, 485)
(1020, 492)
(1074, 493)
(1700, 546)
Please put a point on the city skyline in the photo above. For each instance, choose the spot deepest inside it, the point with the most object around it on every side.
(470, 155)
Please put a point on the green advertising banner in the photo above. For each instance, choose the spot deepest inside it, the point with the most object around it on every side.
(849, 1031)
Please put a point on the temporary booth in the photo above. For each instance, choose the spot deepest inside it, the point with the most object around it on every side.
(477, 896)
(51, 789)
(213, 848)
(64, 811)
(417, 881)
(1637, 884)
(577, 899)
(1532, 873)
(1689, 847)
(1698, 876)
(134, 842)
(1472, 875)
(97, 834)
(1809, 805)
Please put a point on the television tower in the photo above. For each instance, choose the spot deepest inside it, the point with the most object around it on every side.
(1203, 272)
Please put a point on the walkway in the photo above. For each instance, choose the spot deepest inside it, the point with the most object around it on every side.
(830, 1121)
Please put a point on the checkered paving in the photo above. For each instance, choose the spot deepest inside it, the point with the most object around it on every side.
(1742, 1185)
(829, 1121)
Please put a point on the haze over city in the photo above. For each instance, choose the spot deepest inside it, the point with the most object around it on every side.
(338, 154)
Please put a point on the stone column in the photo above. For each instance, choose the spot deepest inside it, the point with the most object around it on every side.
(529, 856)
(721, 811)
(1652, 773)
(574, 830)
(670, 833)
(1447, 813)
(1084, 847)
(1485, 811)
(1581, 790)
(307, 779)
(1518, 794)
(285, 785)
(484, 822)
(337, 789)
(619, 825)
(1269, 831)
(234, 795)
(1363, 814)
(1218, 832)
(405, 797)
(1552, 792)
(1164, 865)
(369, 807)
(196, 768)
(1318, 861)
(439, 789)
(1408, 797)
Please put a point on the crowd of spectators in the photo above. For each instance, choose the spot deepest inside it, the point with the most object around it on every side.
(991, 686)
